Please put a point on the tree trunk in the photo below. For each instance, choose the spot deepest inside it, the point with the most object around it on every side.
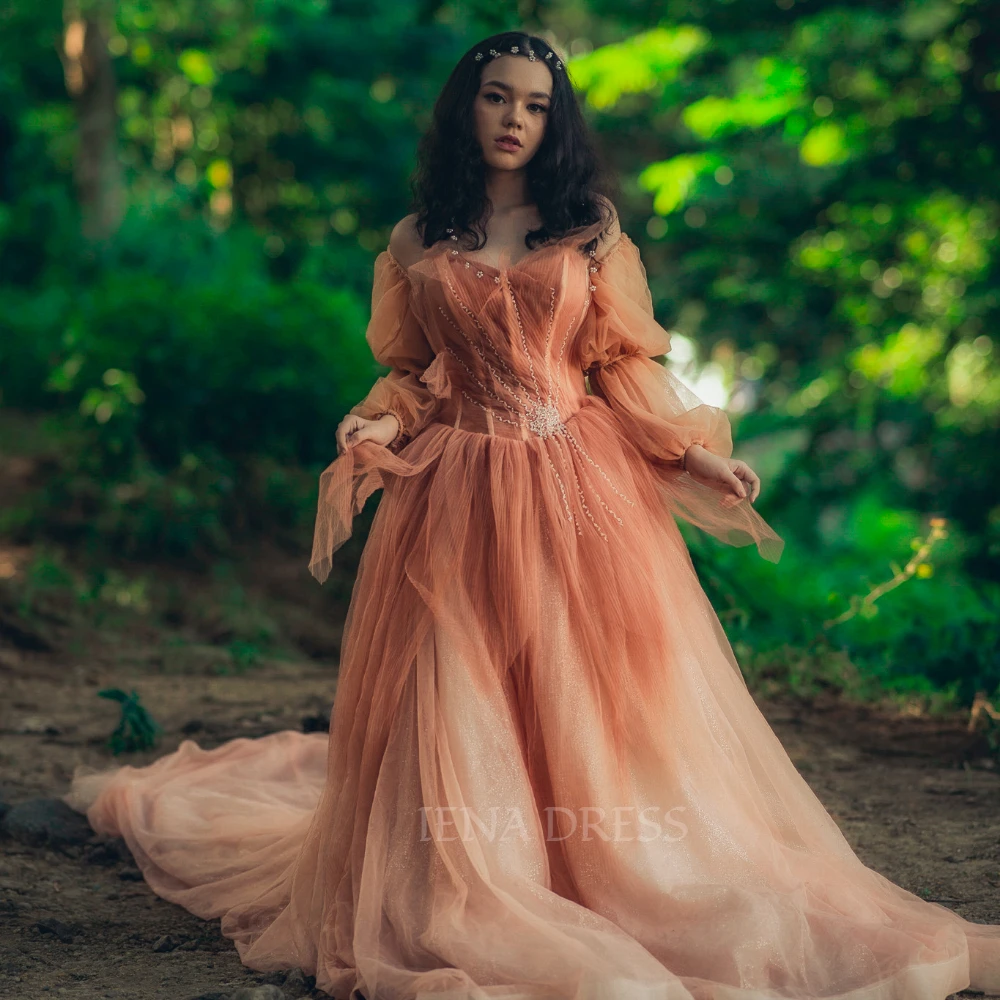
(90, 80)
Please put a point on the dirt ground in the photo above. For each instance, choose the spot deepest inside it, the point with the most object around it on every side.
(917, 798)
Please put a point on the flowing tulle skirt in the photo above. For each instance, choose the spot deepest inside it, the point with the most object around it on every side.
(545, 776)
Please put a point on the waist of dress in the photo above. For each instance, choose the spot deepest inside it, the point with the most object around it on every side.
(578, 476)
(541, 418)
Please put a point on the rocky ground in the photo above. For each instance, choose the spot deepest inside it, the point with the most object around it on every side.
(76, 919)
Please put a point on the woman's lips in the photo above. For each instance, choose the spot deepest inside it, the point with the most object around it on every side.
(508, 145)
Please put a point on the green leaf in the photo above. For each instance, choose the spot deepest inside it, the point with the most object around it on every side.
(636, 65)
(671, 181)
(197, 67)
(824, 145)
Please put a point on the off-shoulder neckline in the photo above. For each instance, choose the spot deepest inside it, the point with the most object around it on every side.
(405, 270)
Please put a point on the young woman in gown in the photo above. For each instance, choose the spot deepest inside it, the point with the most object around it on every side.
(545, 776)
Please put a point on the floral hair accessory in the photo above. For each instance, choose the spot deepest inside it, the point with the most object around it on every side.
(514, 50)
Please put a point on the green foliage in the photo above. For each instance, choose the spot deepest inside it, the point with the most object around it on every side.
(178, 367)
(640, 64)
(136, 730)
(939, 628)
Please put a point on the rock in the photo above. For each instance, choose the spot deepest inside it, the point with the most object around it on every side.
(22, 634)
(37, 725)
(56, 927)
(47, 823)
(267, 992)
(315, 723)
(165, 943)
(107, 853)
(297, 983)
(211, 996)
(188, 946)
(130, 875)
(293, 981)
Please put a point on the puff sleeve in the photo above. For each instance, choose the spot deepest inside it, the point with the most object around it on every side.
(619, 338)
(397, 341)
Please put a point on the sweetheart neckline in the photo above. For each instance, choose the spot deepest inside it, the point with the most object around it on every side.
(512, 267)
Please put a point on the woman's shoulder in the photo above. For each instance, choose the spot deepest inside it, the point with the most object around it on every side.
(405, 242)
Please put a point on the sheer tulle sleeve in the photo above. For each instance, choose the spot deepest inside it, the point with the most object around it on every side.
(397, 340)
(619, 339)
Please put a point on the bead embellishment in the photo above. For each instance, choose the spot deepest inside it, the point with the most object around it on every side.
(514, 50)
(544, 420)
(525, 402)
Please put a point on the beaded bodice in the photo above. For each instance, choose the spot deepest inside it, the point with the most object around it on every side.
(503, 336)
(505, 359)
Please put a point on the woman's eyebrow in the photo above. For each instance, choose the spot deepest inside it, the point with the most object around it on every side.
(507, 86)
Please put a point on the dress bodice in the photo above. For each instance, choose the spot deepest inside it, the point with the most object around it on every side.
(503, 338)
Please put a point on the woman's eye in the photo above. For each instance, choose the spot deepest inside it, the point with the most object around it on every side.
(538, 107)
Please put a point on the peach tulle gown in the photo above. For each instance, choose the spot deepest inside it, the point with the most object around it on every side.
(545, 777)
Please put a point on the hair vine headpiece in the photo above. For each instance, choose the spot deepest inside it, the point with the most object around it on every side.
(514, 49)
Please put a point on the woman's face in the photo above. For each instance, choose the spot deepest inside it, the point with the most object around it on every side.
(513, 99)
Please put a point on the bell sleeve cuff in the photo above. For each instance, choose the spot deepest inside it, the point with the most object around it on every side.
(397, 340)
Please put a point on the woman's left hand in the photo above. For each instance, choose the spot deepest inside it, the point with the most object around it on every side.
(732, 473)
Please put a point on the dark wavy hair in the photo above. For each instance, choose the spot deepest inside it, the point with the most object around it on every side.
(566, 177)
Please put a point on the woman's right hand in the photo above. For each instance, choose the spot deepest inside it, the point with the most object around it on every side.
(353, 430)
(734, 475)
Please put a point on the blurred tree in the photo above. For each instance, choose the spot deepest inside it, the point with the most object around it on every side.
(90, 81)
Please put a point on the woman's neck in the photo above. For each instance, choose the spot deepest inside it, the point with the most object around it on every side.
(508, 192)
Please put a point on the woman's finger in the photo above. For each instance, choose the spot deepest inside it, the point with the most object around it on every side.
(751, 480)
(737, 485)
(346, 433)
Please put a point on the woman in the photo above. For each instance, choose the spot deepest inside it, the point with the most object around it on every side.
(545, 776)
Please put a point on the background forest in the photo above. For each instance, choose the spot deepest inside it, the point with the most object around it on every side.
(192, 195)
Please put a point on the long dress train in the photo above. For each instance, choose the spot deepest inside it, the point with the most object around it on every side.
(545, 776)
